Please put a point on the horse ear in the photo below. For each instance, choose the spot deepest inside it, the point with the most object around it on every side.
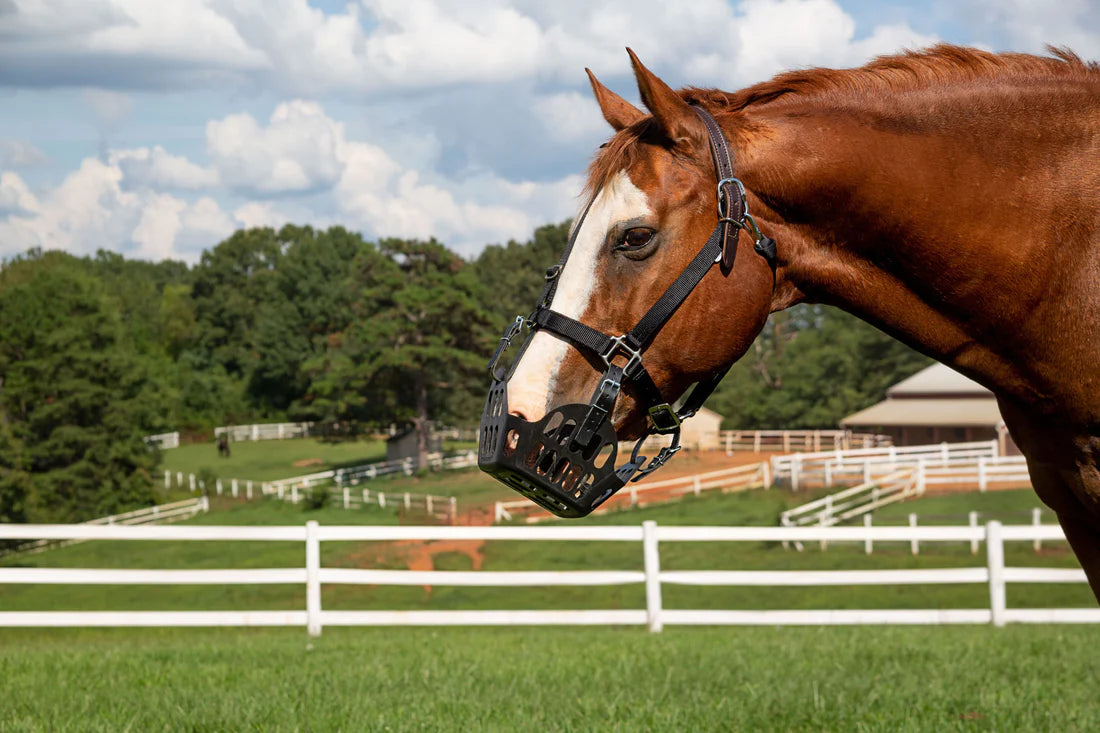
(618, 112)
(673, 115)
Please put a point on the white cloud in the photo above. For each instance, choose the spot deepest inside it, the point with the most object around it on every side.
(1030, 26)
(379, 45)
(15, 197)
(299, 150)
(259, 214)
(570, 116)
(157, 168)
(19, 154)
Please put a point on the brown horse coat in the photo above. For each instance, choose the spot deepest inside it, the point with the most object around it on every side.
(950, 197)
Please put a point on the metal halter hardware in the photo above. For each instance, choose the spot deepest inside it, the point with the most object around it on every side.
(565, 462)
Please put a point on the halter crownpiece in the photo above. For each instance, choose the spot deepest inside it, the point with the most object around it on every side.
(565, 462)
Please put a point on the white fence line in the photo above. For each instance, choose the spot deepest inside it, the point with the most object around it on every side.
(159, 514)
(738, 478)
(759, 441)
(265, 431)
(164, 440)
(993, 574)
(829, 468)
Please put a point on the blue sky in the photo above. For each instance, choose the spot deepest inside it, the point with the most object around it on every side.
(157, 128)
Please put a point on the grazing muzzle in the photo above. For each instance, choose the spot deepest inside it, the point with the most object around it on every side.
(565, 462)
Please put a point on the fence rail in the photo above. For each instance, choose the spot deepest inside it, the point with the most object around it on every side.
(739, 478)
(994, 574)
(164, 440)
(830, 468)
(786, 441)
(266, 431)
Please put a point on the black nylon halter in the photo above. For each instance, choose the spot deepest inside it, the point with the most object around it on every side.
(570, 450)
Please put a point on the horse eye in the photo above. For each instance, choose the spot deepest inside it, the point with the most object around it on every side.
(637, 237)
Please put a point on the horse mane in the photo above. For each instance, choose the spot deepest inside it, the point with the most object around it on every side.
(939, 64)
(911, 70)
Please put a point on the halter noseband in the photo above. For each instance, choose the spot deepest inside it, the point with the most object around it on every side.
(565, 462)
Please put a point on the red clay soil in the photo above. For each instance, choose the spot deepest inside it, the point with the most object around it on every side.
(419, 555)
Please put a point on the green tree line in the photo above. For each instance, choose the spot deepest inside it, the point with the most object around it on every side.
(320, 325)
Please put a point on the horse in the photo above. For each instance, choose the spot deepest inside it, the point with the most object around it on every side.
(949, 197)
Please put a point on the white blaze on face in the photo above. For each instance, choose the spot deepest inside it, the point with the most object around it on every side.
(532, 383)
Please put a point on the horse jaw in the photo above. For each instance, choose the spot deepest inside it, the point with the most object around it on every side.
(533, 385)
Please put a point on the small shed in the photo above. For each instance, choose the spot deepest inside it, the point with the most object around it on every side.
(699, 432)
(403, 444)
(935, 405)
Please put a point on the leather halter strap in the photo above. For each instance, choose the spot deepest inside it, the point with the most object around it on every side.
(721, 247)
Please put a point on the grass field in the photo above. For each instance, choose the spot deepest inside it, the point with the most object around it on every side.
(862, 678)
(757, 679)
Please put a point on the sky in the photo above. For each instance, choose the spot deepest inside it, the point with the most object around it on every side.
(157, 128)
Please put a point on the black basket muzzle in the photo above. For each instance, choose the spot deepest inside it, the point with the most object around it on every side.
(545, 461)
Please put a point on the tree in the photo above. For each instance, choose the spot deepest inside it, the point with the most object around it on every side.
(74, 401)
(417, 345)
(809, 368)
(516, 273)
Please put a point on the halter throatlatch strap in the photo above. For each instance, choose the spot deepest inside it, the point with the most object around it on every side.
(566, 461)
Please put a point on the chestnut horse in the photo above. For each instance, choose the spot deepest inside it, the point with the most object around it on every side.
(950, 197)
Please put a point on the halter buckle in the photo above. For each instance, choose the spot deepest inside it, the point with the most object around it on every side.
(724, 202)
(664, 419)
(619, 346)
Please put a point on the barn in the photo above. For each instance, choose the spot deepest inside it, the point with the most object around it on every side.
(935, 405)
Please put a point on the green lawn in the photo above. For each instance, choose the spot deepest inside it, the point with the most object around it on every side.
(696, 679)
(266, 460)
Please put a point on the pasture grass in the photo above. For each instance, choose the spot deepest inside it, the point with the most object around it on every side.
(463, 679)
(267, 460)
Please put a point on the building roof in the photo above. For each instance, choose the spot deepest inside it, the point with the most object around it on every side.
(938, 380)
(949, 412)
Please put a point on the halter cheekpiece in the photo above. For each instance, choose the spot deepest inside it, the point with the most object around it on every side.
(565, 462)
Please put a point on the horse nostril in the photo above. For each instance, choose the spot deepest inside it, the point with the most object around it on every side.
(519, 414)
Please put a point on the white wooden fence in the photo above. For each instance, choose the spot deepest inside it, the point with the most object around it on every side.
(838, 467)
(738, 478)
(994, 574)
(788, 440)
(159, 514)
(164, 440)
(265, 431)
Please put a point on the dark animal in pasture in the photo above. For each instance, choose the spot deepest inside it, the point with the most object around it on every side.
(950, 197)
(223, 445)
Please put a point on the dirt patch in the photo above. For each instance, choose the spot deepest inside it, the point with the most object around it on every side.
(307, 462)
(419, 555)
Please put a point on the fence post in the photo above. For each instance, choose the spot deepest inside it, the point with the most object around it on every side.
(382, 499)
(914, 545)
(828, 473)
(454, 510)
(313, 579)
(652, 559)
(192, 482)
(995, 561)
(179, 479)
(981, 473)
(347, 498)
(633, 496)
(428, 504)
(248, 490)
(167, 480)
(766, 473)
(922, 479)
(729, 444)
(206, 503)
(796, 468)
(695, 485)
(218, 486)
(1037, 543)
(867, 545)
(235, 489)
(294, 494)
(408, 501)
(973, 519)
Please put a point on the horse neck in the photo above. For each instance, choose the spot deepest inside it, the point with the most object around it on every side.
(946, 236)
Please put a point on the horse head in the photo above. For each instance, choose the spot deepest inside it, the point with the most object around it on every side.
(657, 290)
